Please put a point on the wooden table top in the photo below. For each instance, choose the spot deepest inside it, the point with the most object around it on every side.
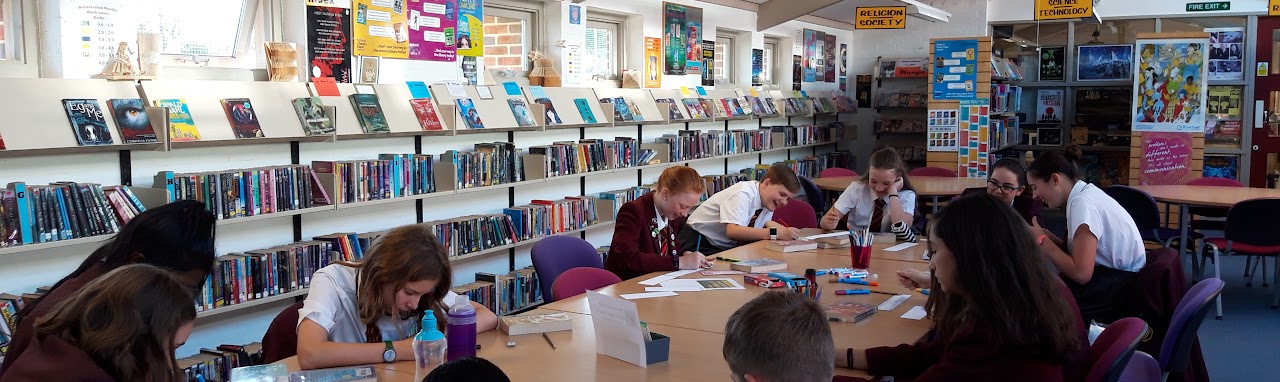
(1209, 196)
(924, 185)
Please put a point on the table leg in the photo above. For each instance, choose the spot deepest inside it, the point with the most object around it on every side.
(1183, 222)
(935, 204)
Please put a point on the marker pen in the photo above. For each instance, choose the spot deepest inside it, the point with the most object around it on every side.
(844, 292)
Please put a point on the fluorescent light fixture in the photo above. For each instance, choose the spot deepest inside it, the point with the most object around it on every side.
(925, 11)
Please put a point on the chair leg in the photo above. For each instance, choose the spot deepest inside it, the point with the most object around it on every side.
(1248, 278)
(1263, 260)
(1247, 260)
(1217, 272)
(1197, 268)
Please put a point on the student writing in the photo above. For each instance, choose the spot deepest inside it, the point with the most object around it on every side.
(883, 200)
(122, 326)
(742, 214)
(177, 237)
(368, 312)
(644, 234)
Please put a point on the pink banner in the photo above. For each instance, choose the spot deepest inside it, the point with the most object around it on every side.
(1166, 158)
(433, 28)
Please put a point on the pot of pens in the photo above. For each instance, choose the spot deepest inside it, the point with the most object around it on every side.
(860, 247)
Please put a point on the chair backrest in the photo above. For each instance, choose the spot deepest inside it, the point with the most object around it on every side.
(812, 194)
(1141, 206)
(836, 171)
(1216, 182)
(1185, 324)
(575, 281)
(932, 171)
(1249, 221)
(1141, 368)
(281, 339)
(796, 214)
(973, 191)
(554, 255)
(1110, 353)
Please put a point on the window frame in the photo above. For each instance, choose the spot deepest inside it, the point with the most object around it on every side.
(772, 67)
(618, 25)
(530, 13)
(255, 28)
(22, 52)
(730, 41)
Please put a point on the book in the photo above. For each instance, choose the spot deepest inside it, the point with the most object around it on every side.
(763, 281)
(312, 116)
(785, 246)
(849, 311)
(584, 109)
(673, 109)
(369, 112)
(551, 116)
(841, 241)
(181, 127)
(87, 121)
(535, 323)
(620, 109)
(130, 115)
(426, 112)
(521, 111)
(340, 374)
(470, 115)
(758, 266)
(260, 373)
(696, 111)
(635, 109)
(244, 122)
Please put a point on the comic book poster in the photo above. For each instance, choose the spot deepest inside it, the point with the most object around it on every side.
(328, 40)
(692, 40)
(470, 39)
(380, 29)
(1169, 83)
(829, 50)
(673, 35)
(810, 55)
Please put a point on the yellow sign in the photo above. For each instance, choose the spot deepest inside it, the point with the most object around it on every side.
(380, 28)
(880, 18)
(1273, 9)
(1064, 9)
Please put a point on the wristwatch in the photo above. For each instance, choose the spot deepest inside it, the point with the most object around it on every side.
(773, 233)
(389, 355)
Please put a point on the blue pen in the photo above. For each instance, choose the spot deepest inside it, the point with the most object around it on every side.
(698, 247)
(199, 377)
(857, 281)
(843, 292)
(923, 290)
(821, 272)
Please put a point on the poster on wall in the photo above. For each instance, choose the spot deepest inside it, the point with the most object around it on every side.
(432, 24)
(1226, 53)
(693, 35)
(709, 63)
(652, 62)
(380, 29)
(101, 23)
(673, 42)
(1169, 83)
(955, 69)
(842, 81)
(1223, 117)
(974, 125)
(942, 130)
(1053, 63)
(328, 32)
(469, 74)
(843, 57)
(470, 40)
(575, 34)
(830, 60)
(810, 56)
(1166, 158)
(1222, 166)
(862, 90)
(1104, 62)
(757, 67)
(1049, 106)
(797, 71)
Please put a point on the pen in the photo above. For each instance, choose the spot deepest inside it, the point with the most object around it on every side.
(844, 292)
(548, 338)
(698, 246)
(857, 281)
(923, 290)
(729, 259)
(883, 292)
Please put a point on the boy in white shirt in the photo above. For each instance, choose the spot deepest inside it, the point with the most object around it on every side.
(742, 214)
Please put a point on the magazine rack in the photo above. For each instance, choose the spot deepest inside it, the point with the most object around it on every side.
(495, 112)
(675, 95)
(717, 95)
(563, 100)
(272, 103)
(642, 98)
(41, 126)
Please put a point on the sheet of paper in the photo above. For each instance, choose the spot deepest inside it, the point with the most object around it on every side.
(683, 284)
(900, 247)
(824, 235)
(617, 326)
(673, 289)
(917, 312)
(484, 92)
(705, 284)
(668, 276)
(456, 89)
(637, 296)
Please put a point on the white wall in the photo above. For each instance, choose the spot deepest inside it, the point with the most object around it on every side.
(1003, 11)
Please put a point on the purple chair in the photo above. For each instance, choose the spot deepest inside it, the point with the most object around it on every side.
(1141, 368)
(556, 254)
(796, 214)
(1146, 214)
(1250, 231)
(836, 171)
(1176, 351)
(576, 281)
(281, 339)
(932, 171)
(813, 195)
(1110, 353)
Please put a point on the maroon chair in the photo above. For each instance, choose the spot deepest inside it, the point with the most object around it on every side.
(932, 171)
(554, 255)
(578, 280)
(796, 214)
(836, 171)
(1213, 218)
(1250, 231)
(1110, 353)
(281, 339)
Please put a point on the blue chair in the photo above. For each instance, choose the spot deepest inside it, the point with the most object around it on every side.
(813, 195)
(1184, 327)
(1142, 368)
(556, 254)
(1146, 214)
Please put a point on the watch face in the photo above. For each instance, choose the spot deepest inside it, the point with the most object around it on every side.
(389, 355)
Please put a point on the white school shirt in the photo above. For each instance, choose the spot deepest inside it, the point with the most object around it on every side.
(734, 205)
(858, 203)
(1119, 242)
(331, 303)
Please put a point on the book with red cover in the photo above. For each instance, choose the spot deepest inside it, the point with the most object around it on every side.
(849, 311)
(426, 112)
(244, 123)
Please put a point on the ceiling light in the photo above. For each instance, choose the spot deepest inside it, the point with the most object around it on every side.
(926, 12)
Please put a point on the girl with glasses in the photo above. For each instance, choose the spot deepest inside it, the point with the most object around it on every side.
(1008, 183)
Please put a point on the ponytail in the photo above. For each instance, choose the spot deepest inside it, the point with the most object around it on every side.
(1054, 162)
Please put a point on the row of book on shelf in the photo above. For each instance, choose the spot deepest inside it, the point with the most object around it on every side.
(242, 193)
(1006, 98)
(504, 293)
(32, 214)
(899, 99)
(899, 126)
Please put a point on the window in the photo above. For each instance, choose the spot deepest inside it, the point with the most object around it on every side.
(724, 59)
(17, 48)
(218, 31)
(6, 48)
(510, 33)
(1112, 32)
(769, 67)
(603, 48)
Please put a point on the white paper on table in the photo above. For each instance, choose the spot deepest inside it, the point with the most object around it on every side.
(824, 235)
(917, 312)
(456, 89)
(665, 277)
(637, 296)
(900, 247)
(706, 284)
(665, 288)
(617, 326)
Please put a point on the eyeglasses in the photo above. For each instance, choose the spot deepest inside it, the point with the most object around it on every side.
(1004, 189)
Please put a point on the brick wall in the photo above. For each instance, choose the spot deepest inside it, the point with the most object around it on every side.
(502, 43)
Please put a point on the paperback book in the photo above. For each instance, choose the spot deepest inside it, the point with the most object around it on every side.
(369, 112)
(312, 116)
(848, 311)
(535, 323)
(87, 121)
(551, 116)
(131, 117)
(786, 246)
(524, 118)
(244, 122)
(634, 108)
(584, 109)
(758, 266)
(696, 111)
(426, 113)
(470, 116)
(181, 127)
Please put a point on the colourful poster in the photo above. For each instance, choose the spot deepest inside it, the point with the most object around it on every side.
(328, 35)
(829, 50)
(1223, 120)
(380, 29)
(708, 62)
(1170, 85)
(757, 67)
(1166, 158)
(652, 62)
(470, 28)
(433, 25)
(810, 56)
(974, 126)
(955, 71)
(674, 35)
(693, 36)
(1226, 53)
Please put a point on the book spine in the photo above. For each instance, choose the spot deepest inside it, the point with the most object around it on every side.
(61, 198)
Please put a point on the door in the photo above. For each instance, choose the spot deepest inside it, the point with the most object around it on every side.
(1266, 136)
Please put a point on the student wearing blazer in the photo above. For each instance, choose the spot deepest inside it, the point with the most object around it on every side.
(883, 200)
(645, 230)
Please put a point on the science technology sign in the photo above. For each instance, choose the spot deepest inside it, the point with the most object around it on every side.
(1063, 9)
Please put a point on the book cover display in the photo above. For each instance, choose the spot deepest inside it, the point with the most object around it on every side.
(181, 127)
(520, 110)
(369, 112)
(470, 116)
(244, 123)
(131, 117)
(87, 121)
(312, 116)
(584, 109)
(426, 113)
(552, 117)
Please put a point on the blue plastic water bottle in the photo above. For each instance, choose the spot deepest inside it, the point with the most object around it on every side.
(461, 329)
(429, 347)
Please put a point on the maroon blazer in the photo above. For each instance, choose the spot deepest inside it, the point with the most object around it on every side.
(637, 245)
(25, 332)
(52, 359)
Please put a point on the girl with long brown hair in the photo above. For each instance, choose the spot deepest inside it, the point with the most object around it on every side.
(645, 231)
(883, 200)
(123, 326)
(368, 312)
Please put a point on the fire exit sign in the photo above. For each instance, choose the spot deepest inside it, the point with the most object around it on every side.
(1207, 7)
